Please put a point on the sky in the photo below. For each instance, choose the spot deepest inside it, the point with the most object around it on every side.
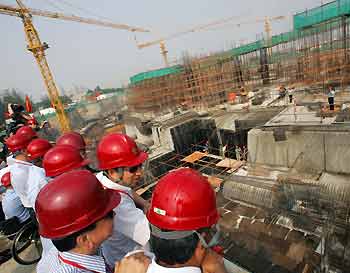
(83, 55)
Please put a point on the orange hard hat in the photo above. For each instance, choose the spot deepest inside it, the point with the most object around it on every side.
(118, 150)
(38, 148)
(61, 159)
(72, 202)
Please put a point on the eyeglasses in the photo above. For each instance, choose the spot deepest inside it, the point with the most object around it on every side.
(134, 169)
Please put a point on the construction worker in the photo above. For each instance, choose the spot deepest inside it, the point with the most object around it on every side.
(11, 203)
(331, 95)
(282, 91)
(37, 179)
(290, 94)
(238, 152)
(72, 139)
(183, 210)
(76, 213)
(244, 95)
(61, 159)
(120, 162)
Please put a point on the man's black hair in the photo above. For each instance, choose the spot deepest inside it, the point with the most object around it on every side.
(173, 252)
(70, 242)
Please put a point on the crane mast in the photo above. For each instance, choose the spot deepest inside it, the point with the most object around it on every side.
(38, 50)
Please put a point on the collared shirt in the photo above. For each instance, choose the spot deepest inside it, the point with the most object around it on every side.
(19, 179)
(12, 206)
(130, 230)
(36, 181)
(51, 263)
(156, 268)
(27, 180)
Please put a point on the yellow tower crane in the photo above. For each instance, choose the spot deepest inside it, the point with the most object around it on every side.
(38, 48)
(219, 23)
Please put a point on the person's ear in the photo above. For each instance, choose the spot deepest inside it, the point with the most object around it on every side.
(83, 241)
(199, 252)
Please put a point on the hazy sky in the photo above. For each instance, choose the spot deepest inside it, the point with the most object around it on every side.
(85, 55)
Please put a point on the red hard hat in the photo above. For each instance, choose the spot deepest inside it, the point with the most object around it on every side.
(73, 139)
(27, 131)
(6, 179)
(18, 142)
(38, 148)
(183, 200)
(61, 159)
(72, 202)
(32, 121)
(118, 150)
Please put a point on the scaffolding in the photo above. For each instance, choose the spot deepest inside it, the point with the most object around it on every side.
(310, 55)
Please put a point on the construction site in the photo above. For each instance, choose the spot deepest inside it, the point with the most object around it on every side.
(277, 159)
(280, 168)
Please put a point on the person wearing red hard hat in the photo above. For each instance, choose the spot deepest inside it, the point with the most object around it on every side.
(37, 179)
(33, 123)
(72, 139)
(11, 203)
(183, 210)
(61, 159)
(76, 213)
(26, 130)
(18, 142)
(120, 162)
(17, 162)
(36, 150)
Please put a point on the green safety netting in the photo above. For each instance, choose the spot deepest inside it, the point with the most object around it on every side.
(322, 13)
(305, 23)
(156, 73)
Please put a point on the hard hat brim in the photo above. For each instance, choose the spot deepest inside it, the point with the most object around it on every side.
(139, 159)
(73, 167)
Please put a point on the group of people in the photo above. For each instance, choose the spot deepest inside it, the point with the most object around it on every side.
(93, 220)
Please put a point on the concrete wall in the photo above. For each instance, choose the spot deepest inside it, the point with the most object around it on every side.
(305, 150)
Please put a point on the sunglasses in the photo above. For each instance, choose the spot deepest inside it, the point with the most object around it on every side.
(134, 169)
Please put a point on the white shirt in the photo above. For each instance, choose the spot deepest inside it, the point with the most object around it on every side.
(19, 176)
(27, 180)
(131, 229)
(156, 268)
(36, 181)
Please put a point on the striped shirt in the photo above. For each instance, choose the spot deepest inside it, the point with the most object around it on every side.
(12, 206)
(51, 263)
(130, 229)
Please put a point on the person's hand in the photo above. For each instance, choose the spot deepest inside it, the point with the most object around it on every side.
(146, 207)
(213, 263)
(137, 263)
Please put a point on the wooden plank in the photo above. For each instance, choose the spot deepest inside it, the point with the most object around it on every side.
(194, 157)
(143, 190)
(230, 163)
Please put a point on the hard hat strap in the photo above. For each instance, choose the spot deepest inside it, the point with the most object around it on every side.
(175, 235)
(170, 235)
